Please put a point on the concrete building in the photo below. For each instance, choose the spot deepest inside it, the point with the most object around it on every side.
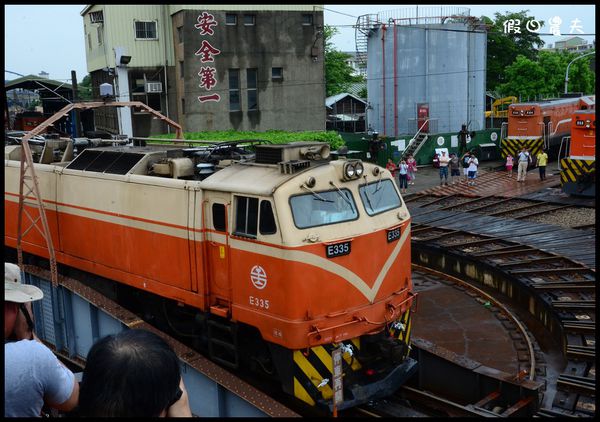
(209, 67)
(572, 44)
(358, 68)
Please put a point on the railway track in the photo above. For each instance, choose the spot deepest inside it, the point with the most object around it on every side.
(557, 291)
(561, 214)
(410, 400)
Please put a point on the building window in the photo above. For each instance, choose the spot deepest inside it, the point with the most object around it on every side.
(145, 30)
(249, 20)
(89, 37)
(180, 34)
(97, 17)
(183, 106)
(99, 35)
(181, 68)
(234, 90)
(277, 73)
(307, 19)
(230, 19)
(252, 84)
(153, 101)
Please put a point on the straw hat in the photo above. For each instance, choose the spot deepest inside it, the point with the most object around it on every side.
(16, 292)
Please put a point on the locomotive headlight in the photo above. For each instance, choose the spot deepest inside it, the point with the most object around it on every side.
(376, 171)
(349, 170)
(359, 169)
(311, 182)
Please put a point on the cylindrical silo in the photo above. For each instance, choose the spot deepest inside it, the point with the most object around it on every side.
(426, 67)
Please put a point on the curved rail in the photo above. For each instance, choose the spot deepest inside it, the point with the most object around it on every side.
(496, 303)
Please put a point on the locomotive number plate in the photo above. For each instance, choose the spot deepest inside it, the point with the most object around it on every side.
(337, 249)
(393, 234)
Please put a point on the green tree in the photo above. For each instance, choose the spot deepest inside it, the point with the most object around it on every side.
(504, 47)
(545, 77)
(85, 88)
(525, 79)
(581, 76)
(338, 73)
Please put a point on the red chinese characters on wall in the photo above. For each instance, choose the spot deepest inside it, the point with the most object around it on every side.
(207, 77)
(207, 53)
(205, 23)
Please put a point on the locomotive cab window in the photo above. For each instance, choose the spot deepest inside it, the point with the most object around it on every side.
(267, 219)
(378, 197)
(247, 217)
(321, 208)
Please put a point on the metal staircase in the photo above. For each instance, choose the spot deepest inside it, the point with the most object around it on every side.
(415, 144)
(364, 24)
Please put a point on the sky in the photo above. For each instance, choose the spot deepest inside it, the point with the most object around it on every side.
(50, 38)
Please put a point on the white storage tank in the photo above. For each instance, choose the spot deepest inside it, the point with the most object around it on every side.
(424, 64)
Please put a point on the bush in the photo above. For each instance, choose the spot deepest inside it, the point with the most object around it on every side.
(273, 136)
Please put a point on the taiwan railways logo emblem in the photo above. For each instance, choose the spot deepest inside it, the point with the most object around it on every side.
(259, 277)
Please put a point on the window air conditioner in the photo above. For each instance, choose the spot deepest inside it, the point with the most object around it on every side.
(154, 87)
(97, 17)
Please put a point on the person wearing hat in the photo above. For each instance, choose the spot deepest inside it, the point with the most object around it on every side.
(33, 375)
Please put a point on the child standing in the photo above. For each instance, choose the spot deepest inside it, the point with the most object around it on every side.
(509, 165)
(403, 175)
(472, 169)
(412, 168)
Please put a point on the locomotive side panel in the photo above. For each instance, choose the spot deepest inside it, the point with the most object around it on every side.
(140, 229)
(47, 183)
(119, 227)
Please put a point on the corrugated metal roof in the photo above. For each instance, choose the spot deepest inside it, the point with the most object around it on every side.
(329, 101)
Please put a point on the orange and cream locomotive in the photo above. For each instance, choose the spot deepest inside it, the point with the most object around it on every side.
(578, 168)
(540, 125)
(270, 263)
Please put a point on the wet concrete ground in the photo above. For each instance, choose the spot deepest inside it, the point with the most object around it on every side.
(453, 319)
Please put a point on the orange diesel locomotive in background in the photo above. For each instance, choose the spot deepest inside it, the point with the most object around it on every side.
(578, 168)
(541, 124)
(270, 263)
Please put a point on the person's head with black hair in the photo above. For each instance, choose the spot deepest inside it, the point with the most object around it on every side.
(132, 373)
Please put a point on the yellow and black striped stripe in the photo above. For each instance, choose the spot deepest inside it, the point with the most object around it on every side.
(514, 146)
(312, 367)
(573, 169)
(403, 335)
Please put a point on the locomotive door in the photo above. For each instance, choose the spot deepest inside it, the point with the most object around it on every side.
(216, 222)
(546, 131)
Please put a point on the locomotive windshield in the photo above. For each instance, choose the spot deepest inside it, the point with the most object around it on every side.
(379, 196)
(320, 208)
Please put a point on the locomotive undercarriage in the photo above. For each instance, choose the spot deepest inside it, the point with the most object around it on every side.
(373, 365)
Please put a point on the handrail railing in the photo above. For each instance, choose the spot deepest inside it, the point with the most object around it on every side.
(567, 141)
(413, 139)
(544, 137)
(503, 133)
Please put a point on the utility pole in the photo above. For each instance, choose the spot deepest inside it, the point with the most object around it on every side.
(75, 115)
(569, 65)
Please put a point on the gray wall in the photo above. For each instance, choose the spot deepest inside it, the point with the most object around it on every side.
(278, 39)
(442, 65)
